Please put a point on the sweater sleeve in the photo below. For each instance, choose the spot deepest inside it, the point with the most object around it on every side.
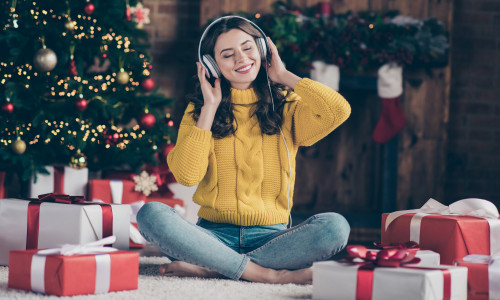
(188, 160)
(318, 110)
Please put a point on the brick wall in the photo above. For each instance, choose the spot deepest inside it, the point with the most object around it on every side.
(473, 160)
(174, 32)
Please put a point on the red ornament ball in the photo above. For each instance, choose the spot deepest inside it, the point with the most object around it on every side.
(148, 121)
(8, 107)
(89, 8)
(148, 84)
(111, 137)
(166, 148)
(81, 104)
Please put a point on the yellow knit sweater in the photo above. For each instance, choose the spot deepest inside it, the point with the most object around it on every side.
(243, 178)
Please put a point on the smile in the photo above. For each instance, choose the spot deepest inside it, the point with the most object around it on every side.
(244, 69)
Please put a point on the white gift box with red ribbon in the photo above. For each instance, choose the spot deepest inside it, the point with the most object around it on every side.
(480, 268)
(337, 280)
(59, 224)
(62, 180)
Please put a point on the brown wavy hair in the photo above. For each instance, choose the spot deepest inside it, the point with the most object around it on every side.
(269, 120)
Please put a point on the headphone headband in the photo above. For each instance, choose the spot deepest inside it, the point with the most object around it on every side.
(210, 64)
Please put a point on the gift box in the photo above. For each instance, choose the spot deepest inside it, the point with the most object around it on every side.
(28, 224)
(60, 180)
(123, 191)
(484, 276)
(469, 226)
(340, 280)
(77, 274)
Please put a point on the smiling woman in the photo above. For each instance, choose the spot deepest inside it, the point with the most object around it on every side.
(238, 140)
(237, 56)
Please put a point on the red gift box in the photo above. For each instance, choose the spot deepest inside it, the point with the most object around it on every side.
(483, 281)
(73, 275)
(452, 236)
(122, 192)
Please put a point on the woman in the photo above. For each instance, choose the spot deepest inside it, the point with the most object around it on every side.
(238, 143)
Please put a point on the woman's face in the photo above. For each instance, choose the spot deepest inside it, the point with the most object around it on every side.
(239, 60)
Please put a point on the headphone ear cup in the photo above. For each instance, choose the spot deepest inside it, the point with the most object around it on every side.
(211, 65)
(262, 47)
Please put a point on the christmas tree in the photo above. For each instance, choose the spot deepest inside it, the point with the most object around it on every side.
(76, 87)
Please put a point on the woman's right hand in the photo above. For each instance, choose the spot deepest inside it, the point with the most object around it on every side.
(212, 95)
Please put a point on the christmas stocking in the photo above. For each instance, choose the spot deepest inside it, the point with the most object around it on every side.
(389, 88)
(326, 74)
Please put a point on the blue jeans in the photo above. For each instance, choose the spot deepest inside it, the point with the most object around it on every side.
(227, 249)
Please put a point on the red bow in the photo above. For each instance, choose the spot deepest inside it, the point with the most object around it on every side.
(61, 198)
(408, 245)
(385, 258)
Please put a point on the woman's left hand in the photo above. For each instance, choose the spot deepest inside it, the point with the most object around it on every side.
(276, 69)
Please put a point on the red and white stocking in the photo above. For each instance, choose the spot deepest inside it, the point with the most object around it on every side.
(389, 88)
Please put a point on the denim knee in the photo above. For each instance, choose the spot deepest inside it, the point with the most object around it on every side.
(150, 212)
(334, 230)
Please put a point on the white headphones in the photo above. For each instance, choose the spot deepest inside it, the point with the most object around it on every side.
(209, 62)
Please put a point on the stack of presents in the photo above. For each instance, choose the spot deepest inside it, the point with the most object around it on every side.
(435, 252)
(86, 229)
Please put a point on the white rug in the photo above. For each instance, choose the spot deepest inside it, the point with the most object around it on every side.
(154, 286)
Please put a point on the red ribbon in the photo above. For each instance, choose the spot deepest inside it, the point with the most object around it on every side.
(59, 180)
(390, 257)
(408, 245)
(34, 215)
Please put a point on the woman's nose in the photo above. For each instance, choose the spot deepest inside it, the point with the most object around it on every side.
(240, 55)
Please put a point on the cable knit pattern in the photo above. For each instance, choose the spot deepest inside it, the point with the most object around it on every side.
(243, 178)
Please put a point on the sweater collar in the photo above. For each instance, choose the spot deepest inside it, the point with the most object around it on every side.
(247, 96)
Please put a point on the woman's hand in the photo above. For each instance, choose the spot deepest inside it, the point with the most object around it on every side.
(276, 69)
(212, 95)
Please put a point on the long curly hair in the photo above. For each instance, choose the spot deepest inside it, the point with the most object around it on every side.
(269, 120)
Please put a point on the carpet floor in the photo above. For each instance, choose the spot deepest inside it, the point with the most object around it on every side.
(154, 286)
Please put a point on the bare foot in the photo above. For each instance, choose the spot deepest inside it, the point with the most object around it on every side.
(302, 276)
(256, 273)
(183, 269)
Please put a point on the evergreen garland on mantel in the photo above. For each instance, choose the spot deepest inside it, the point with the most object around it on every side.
(360, 41)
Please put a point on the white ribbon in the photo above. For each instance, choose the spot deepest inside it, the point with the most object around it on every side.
(89, 248)
(479, 208)
(116, 187)
(493, 262)
(103, 263)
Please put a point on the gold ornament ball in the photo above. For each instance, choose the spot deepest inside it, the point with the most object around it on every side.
(19, 146)
(45, 60)
(122, 77)
(70, 24)
(78, 161)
